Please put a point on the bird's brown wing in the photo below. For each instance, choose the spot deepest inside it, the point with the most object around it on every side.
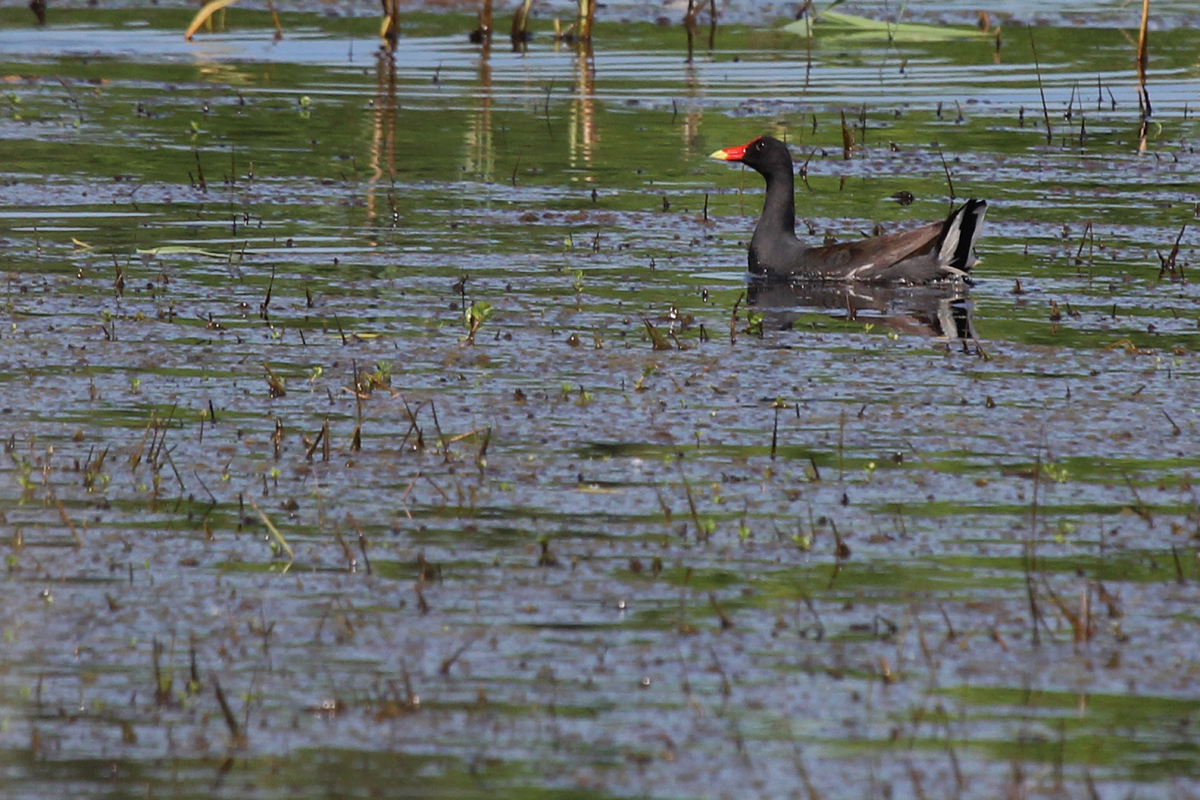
(860, 260)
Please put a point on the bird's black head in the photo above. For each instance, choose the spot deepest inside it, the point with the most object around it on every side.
(764, 154)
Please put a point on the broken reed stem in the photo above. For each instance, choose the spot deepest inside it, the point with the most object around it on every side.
(1030, 552)
(262, 309)
(775, 433)
(520, 28)
(317, 442)
(587, 15)
(1142, 60)
(1169, 264)
(235, 732)
(275, 20)
(1088, 231)
(841, 445)
(391, 23)
(200, 172)
(687, 488)
(448, 662)
(733, 318)
(847, 140)
(1083, 625)
(356, 438)
(438, 428)
(62, 512)
(946, 169)
(1041, 90)
(485, 20)
(162, 682)
(275, 534)
(347, 553)
(362, 541)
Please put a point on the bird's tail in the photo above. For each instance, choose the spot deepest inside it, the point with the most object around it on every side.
(956, 250)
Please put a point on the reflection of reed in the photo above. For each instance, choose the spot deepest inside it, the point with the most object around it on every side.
(692, 27)
(695, 114)
(481, 151)
(583, 111)
(383, 139)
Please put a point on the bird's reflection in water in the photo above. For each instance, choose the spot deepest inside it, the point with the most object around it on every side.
(944, 311)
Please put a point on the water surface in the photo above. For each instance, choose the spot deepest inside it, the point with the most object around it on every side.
(341, 459)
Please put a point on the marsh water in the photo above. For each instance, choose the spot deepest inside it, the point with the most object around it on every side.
(402, 424)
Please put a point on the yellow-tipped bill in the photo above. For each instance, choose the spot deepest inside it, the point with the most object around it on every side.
(729, 154)
(732, 153)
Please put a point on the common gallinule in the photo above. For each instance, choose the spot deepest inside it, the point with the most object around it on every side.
(939, 251)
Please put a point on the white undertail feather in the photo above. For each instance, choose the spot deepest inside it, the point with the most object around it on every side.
(957, 255)
(950, 242)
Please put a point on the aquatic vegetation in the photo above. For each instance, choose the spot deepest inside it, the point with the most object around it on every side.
(394, 438)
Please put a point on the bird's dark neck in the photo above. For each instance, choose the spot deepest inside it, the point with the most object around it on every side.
(779, 207)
